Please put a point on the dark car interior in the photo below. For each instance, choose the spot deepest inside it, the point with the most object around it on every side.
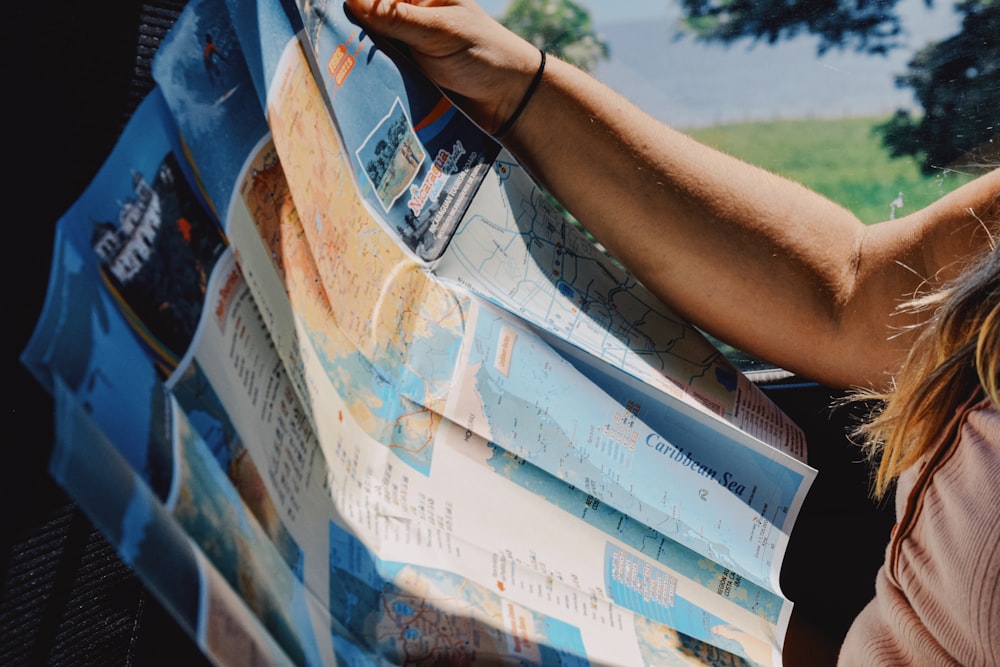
(75, 71)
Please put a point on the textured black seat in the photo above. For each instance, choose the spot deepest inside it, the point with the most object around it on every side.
(73, 72)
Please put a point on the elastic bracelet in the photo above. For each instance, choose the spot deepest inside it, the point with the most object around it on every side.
(524, 100)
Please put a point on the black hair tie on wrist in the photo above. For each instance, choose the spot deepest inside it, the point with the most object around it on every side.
(524, 100)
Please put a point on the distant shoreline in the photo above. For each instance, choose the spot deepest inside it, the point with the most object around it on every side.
(691, 84)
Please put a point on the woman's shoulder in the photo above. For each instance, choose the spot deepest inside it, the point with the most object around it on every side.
(964, 481)
(936, 592)
(978, 444)
(986, 416)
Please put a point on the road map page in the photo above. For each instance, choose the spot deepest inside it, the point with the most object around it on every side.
(516, 249)
(582, 519)
(550, 528)
(337, 228)
(417, 326)
(691, 477)
(462, 530)
(345, 389)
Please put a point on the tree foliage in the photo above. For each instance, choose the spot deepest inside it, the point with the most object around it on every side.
(867, 25)
(560, 27)
(956, 80)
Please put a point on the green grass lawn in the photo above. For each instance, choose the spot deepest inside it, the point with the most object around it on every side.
(843, 159)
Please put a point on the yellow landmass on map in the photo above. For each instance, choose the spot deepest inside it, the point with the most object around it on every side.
(380, 297)
(269, 201)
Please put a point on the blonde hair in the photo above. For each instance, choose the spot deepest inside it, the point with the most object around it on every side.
(955, 357)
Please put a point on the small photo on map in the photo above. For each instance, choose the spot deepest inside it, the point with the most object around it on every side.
(391, 156)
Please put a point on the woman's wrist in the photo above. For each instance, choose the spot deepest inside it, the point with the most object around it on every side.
(512, 75)
(525, 99)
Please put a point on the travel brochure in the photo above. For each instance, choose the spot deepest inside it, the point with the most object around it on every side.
(342, 384)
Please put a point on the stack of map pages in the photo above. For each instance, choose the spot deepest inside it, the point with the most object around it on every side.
(343, 385)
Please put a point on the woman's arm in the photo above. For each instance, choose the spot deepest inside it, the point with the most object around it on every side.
(753, 258)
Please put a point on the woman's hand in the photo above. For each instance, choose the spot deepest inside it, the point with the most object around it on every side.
(484, 67)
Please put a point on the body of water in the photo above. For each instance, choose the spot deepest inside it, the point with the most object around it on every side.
(692, 84)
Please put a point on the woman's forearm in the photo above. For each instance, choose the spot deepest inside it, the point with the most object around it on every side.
(750, 256)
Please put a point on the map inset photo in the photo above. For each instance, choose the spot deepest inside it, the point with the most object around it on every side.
(391, 156)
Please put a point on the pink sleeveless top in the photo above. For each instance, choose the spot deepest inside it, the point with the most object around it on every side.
(937, 596)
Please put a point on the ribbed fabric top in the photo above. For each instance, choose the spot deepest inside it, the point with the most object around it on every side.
(937, 597)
